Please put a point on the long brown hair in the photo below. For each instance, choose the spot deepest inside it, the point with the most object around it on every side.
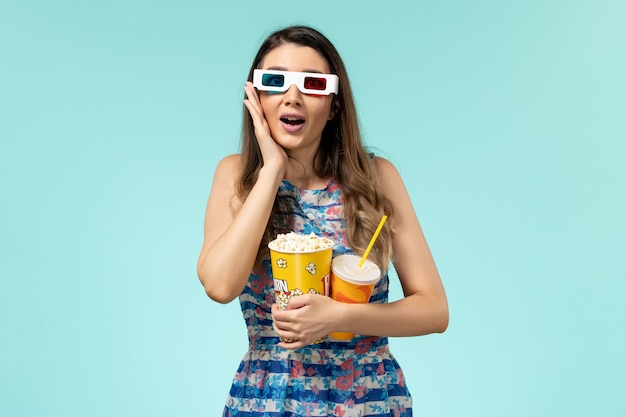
(341, 155)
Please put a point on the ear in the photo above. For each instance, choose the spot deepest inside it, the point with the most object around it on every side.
(334, 108)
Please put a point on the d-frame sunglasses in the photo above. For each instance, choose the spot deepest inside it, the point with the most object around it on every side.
(307, 82)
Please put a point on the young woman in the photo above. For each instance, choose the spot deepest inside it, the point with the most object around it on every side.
(304, 168)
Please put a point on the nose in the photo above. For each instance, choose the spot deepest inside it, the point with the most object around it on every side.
(292, 96)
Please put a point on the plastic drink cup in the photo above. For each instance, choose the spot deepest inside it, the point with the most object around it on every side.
(300, 271)
(351, 284)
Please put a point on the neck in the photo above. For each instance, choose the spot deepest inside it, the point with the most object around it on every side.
(300, 173)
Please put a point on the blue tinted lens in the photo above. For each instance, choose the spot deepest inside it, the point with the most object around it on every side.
(273, 80)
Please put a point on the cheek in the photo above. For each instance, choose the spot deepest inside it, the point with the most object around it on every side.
(267, 104)
(324, 112)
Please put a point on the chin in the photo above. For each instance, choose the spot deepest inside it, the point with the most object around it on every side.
(289, 142)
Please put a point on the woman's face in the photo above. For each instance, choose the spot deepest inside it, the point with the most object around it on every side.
(295, 119)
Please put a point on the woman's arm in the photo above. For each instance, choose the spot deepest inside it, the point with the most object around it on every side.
(424, 308)
(233, 229)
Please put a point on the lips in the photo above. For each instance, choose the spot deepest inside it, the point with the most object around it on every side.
(292, 122)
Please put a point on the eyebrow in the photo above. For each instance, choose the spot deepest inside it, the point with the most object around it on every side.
(279, 68)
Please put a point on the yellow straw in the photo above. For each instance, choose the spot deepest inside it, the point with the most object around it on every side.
(371, 244)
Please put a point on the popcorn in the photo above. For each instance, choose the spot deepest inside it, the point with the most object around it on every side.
(294, 242)
(282, 298)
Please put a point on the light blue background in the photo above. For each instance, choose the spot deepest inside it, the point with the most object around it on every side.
(506, 119)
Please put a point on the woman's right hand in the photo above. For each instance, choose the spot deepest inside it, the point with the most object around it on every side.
(273, 154)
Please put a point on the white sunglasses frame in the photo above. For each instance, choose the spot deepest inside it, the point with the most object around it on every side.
(297, 78)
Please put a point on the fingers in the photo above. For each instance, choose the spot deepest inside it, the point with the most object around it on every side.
(293, 339)
(251, 94)
(289, 339)
(301, 324)
(292, 345)
(273, 154)
(282, 319)
(287, 329)
(299, 301)
(253, 104)
(252, 101)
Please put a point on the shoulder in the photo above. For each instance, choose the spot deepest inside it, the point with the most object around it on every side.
(385, 171)
(390, 182)
(230, 164)
(227, 175)
(228, 169)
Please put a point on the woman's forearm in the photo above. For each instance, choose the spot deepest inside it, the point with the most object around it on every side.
(225, 266)
(415, 315)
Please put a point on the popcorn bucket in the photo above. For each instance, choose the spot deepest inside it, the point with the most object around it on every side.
(300, 273)
(299, 267)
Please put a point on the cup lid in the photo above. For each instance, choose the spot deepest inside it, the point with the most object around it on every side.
(347, 267)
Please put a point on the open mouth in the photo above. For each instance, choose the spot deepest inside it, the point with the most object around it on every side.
(292, 121)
